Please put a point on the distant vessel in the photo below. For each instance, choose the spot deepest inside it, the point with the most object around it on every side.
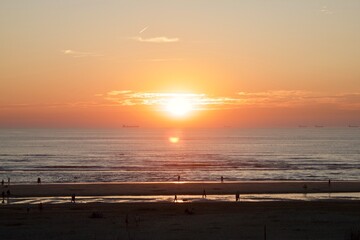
(319, 126)
(353, 126)
(130, 126)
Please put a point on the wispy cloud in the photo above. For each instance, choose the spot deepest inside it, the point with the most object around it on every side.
(143, 30)
(326, 10)
(79, 54)
(130, 98)
(161, 39)
(299, 98)
(267, 99)
(54, 105)
(202, 101)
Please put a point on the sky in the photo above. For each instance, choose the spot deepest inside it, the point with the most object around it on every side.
(179, 63)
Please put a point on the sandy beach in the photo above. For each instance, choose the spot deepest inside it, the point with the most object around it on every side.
(168, 220)
(231, 220)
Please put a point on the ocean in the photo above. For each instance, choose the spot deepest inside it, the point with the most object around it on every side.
(160, 155)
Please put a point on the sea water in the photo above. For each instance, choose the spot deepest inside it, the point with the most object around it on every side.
(144, 154)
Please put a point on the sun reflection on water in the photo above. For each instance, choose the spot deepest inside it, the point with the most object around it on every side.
(174, 139)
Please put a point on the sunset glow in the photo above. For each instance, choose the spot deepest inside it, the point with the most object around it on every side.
(235, 63)
(141, 104)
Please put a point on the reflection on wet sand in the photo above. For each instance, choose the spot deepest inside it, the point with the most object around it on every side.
(189, 198)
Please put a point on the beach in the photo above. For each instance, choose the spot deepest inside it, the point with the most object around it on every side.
(181, 220)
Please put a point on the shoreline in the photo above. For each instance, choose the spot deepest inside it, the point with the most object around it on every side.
(180, 188)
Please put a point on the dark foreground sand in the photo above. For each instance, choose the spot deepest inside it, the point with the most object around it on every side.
(216, 220)
(291, 220)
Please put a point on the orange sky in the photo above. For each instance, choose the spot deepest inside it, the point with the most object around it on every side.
(91, 63)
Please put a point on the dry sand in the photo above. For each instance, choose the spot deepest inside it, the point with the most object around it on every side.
(220, 220)
(300, 220)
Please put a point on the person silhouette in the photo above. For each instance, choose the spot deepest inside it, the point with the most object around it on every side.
(73, 198)
(204, 194)
(39, 180)
(178, 178)
(222, 179)
(175, 198)
(8, 195)
(237, 196)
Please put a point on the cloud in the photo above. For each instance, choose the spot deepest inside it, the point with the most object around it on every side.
(78, 54)
(55, 105)
(325, 10)
(130, 98)
(143, 30)
(162, 39)
(201, 101)
(298, 98)
(115, 92)
(267, 99)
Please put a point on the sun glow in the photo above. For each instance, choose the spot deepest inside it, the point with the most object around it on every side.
(174, 139)
(179, 105)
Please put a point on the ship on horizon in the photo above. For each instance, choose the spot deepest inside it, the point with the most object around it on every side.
(130, 126)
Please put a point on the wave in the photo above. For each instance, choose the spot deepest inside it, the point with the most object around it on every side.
(69, 167)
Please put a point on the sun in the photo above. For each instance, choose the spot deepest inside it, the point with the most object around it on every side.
(179, 106)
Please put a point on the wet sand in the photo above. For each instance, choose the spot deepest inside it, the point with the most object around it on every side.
(183, 188)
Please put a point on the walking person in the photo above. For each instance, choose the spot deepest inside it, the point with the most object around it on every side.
(73, 198)
(237, 196)
(204, 194)
(8, 195)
